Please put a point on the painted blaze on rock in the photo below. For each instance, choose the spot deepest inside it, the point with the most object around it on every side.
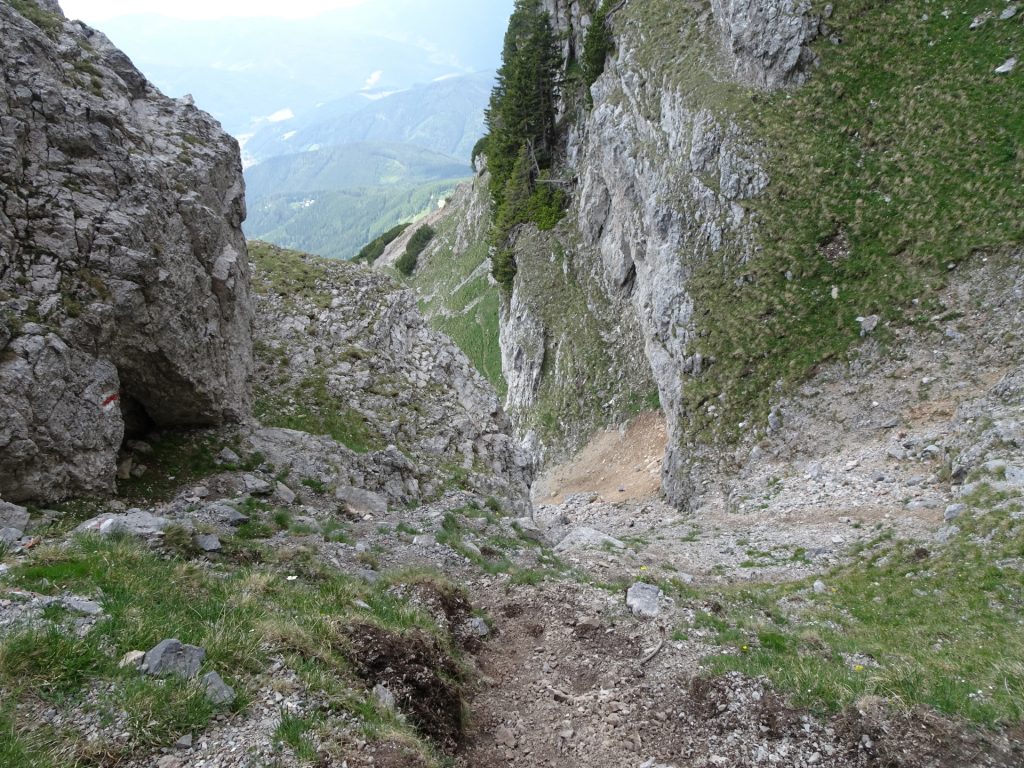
(124, 286)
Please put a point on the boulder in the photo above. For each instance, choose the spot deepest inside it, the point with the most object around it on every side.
(13, 516)
(122, 241)
(361, 502)
(134, 522)
(207, 542)
(587, 538)
(10, 536)
(173, 657)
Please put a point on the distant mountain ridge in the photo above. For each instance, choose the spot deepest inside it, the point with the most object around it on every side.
(351, 166)
(244, 70)
(445, 116)
(334, 200)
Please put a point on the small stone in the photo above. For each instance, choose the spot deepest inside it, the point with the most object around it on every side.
(172, 657)
(216, 690)
(953, 511)
(505, 737)
(184, 743)
(644, 599)
(478, 626)
(1007, 66)
(385, 698)
(83, 606)
(124, 468)
(868, 324)
(139, 446)
(819, 587)
(207, 542)
(131, 659)
(980, 19)
(227, 456)
(1008, 13)
(222, 513)
(285, 494)
(926, 502)
(257, 486)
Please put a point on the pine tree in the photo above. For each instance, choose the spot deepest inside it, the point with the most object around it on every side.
(523, 103)
(521, 124)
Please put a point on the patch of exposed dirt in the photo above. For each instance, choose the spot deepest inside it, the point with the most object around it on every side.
(421, 675)
(616, 465)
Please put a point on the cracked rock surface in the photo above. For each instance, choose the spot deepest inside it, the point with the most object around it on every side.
(124, 287)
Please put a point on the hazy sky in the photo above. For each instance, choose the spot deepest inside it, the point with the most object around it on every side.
(95, 11)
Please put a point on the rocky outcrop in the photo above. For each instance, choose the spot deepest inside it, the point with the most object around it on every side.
(397, 408)
(662, 175)
(124, 296)
(768, 41)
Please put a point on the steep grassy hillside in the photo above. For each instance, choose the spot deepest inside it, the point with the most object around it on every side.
(338, 224)
(453, 282)
(897, 165)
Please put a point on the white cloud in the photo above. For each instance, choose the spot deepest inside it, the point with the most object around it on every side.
(281, 115)
(94, 11)
(373, 79)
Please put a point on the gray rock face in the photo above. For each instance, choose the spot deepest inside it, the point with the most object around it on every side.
(172, 657)
(124, 297)
(662, 183)
(768, 40)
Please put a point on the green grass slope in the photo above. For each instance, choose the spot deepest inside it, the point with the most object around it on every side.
(456, 294)
(337, 224)
(897, 164)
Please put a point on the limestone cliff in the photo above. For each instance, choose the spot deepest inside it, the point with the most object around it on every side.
(754, 186)
(124, 296)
